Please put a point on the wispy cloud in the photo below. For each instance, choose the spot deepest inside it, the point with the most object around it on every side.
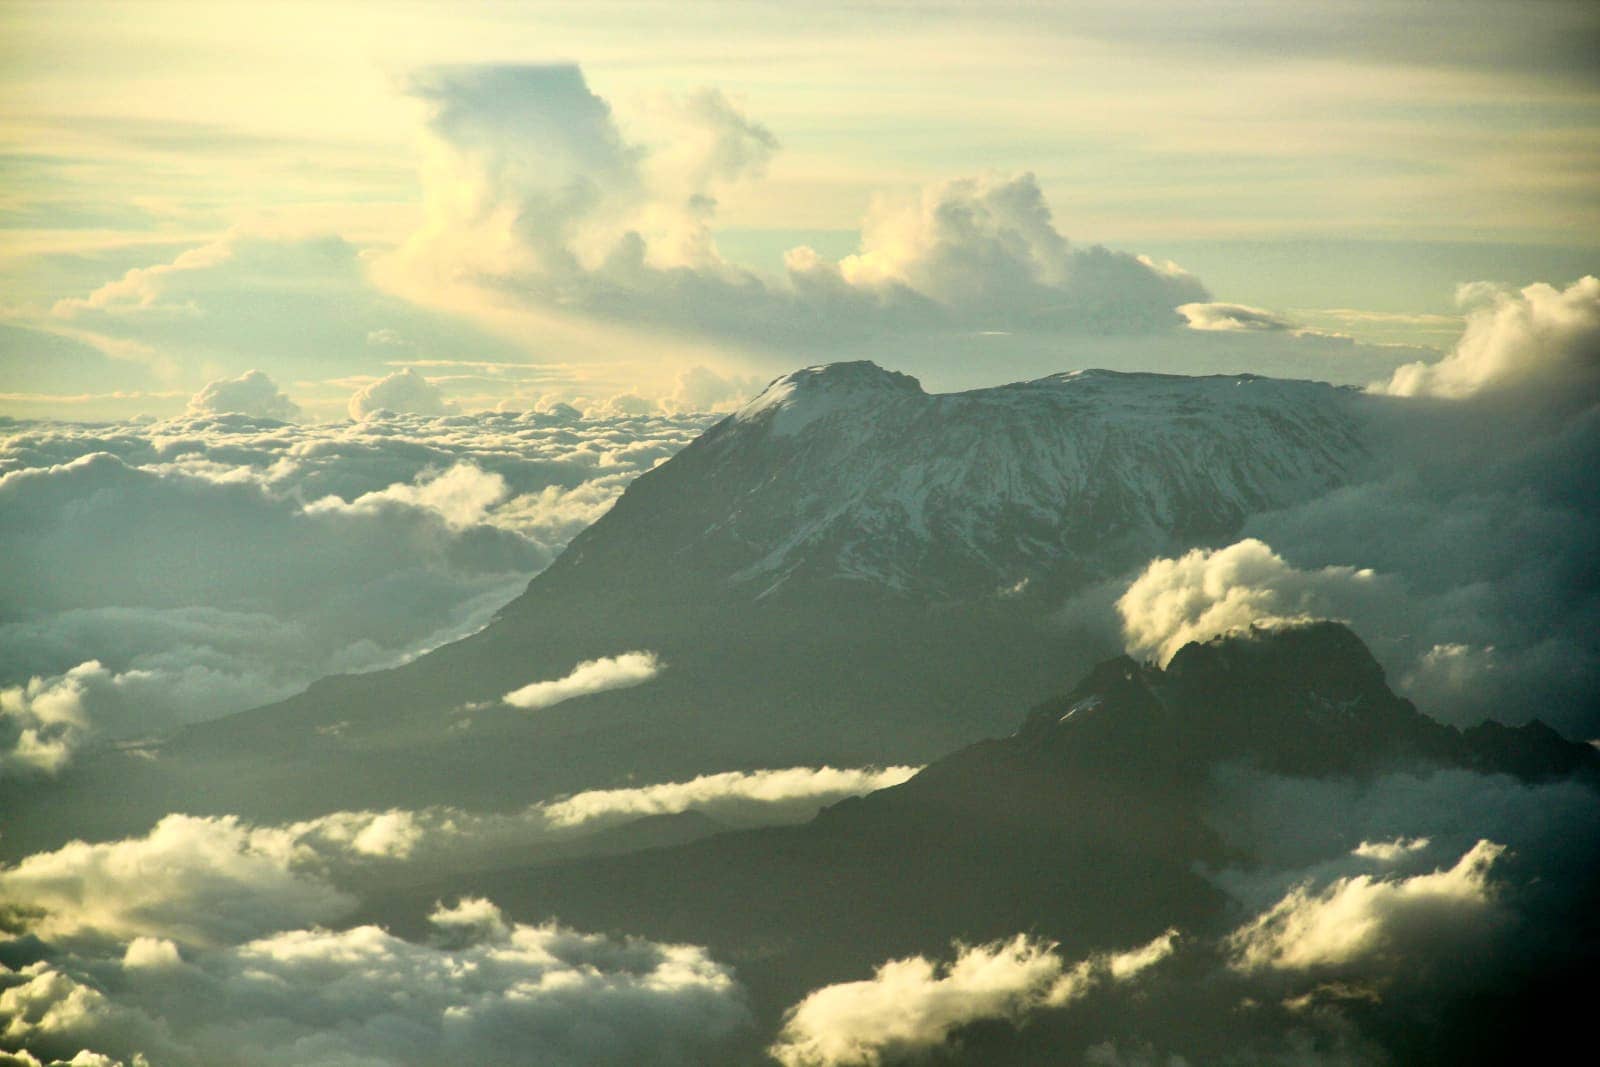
(622, 671)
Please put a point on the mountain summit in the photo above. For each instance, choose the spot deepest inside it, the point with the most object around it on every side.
(848, 472)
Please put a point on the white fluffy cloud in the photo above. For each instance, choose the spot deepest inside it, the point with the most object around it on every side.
(485, 990)
(591, 676)
(1542, 340)
(194, 880)
(534, 190)
(915, 1005)
(403, 391)
(1207, 592)
(252, 393)
(1359, 917)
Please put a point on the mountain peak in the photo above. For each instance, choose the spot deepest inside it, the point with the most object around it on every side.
(1319, 656)
(803, 396)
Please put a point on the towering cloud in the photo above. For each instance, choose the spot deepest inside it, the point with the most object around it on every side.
(1207, 592)
(1541, 340)
(403, 391)
(535, 191)
(252, 393)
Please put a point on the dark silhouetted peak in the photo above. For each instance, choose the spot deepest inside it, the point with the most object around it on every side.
(1532, 751)
(1303, 698)
(1318, 661)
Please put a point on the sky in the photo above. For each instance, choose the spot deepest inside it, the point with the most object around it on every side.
(666, 205)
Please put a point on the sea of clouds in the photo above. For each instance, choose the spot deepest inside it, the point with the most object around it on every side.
(165, 572)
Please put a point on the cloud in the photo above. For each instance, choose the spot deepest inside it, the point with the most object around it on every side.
(700, 388)
(1357, 918)
(299, 307)
(1207, 592)
(170, 571)
(483, 990)
(194, 880)
(914, 1005)
(204, 881)
(445, 836)
(740, 797)
(462, 495)
(403, 391)
(1475, 517)
(1234, 318)
(252, 393)
(536, 194)
(1542, 341)
(986, 251)
(591, 676)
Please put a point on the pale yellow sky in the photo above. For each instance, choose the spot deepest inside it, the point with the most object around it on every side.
(1374, 137)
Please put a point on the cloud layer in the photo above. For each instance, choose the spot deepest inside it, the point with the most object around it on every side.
(165, 572)
(915, 1005)
(484, 990)
(210, 939)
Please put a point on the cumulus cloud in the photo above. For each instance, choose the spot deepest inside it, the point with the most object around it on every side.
(1359, 917)
(462, 495)
(403, 391)
(1207, 592)
(987, 250)
(914, 1005)
(483, 990)
(1541, 340)
(535, 191)
(591, 676)
(193, 880)
(252, 393)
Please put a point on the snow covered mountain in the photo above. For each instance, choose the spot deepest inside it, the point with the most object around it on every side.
(848, 471)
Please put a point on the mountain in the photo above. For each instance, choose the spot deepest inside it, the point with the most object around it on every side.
(848, 570)
(852, 473)
(1089, 826)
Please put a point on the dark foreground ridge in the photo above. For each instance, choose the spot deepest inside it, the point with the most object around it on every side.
(1089, 826)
